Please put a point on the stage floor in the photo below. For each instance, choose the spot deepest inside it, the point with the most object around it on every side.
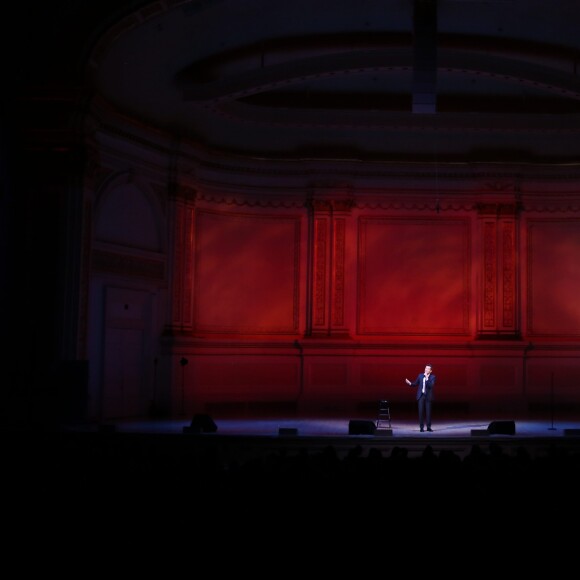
(339, 427)
(254, 436)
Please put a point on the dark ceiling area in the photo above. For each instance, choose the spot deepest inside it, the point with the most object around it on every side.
(456, 80)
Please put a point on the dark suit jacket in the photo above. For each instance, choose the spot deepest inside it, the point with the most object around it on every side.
(430, 384)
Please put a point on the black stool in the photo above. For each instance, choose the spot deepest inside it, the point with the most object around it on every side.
(384, 415)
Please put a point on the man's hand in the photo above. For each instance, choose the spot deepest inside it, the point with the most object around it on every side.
(408, 381)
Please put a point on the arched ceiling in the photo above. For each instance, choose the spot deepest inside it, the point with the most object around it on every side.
(387, 79)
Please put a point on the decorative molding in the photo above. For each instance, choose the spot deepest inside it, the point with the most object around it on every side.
(390, 203)
(187, 282)
(354, 168)
(320, 205)
(320, 250)
(242, 200)
(508, 274)
(330, 205)
(498, 176)
(415, 205)
(497, 209)
(338, 272)
(178, 227)
(552, 206)
(342, 205)
(489, 273)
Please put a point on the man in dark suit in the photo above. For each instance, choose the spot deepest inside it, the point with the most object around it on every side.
(425, 382)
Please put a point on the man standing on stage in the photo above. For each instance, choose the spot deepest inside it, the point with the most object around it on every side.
(425, 382)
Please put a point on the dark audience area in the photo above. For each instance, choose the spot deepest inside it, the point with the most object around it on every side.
(210, 474)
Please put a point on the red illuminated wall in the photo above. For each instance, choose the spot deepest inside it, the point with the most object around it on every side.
(325, 298)
(246, 273)
(553, 278)
(414, 276)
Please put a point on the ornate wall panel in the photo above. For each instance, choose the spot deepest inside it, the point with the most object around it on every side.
(553, 280)
(183, 220)
(338, 273)
(247, 272)
(329, 266)
(499, 299)
(414, 276)
(320, 276)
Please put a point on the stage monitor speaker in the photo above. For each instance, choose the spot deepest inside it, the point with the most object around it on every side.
(361, 427)
(287, 431)
(201, 423)
(502, 428)
(572, 432)
(479, 432)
